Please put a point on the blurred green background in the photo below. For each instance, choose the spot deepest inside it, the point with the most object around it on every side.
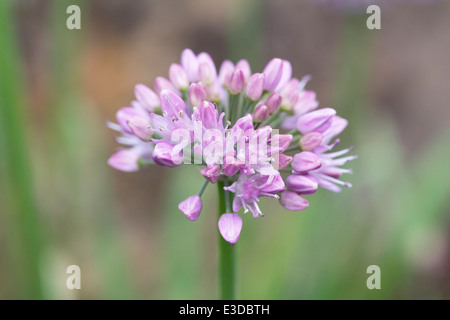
(61, 204)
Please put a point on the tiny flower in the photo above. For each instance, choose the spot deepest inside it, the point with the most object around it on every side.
(317, 121)
(141, 128)
(292, 201)
(191, 207)
(148, 99)
(245, 67)
(190, 65)
(273, 72)
(304, 184)
(207, 114)
(255, 86)
(172, 106)
(178, 76)
(305, 161)
(197, 93)
(310, 141)
(237, 82)
(207, 70)
(261, 113)
(163, 156)
(274, 102)
(230, 226)
(211, 173)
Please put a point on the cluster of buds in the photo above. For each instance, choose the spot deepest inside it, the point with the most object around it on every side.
(260, 134)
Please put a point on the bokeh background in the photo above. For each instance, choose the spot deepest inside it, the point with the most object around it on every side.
(61, 204)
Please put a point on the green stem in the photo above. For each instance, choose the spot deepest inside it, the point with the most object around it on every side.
(227, 268)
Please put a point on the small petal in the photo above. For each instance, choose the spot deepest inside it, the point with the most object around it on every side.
(146, 97)
(274, 102)
(255, 86)
(273, 72)
(292, 201)
(178, 76)
(237, 82)
(304, 184)
(285, 75)
(290, 94)
(230, 226)
(211, 173)
(162, 83)
(197, 93)
(282, 140)
(125, 160)
(207, 69)
(317, 121)
(163, 156)
(245, 67)
(226, 69)
(305, 161)
(191, 207)
(261, 113)
(141, 128)
(172, 106)
(281, 161)
(310, 141)
(190, 64)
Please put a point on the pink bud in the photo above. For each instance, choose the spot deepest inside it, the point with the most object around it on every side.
(285, 75)
(304, 184)
(282, 140)
(191, 207)
(245, 67)
(230, 226)
(162, 83)
(208, 114)
(305, 161)
(290, 94)
(230, 166)
(146, 97)
(178, 76)
(237, 82)
(282, 161)
(163, 156)
(261, 113)
(292, 201)
(197, 93)
(211, 173)
(141, 128)
(255, 86)
(207, 69)
(317, 121)
(190, 65)
(274, 102)
(310, 141)
(226, 69)
(273, 72)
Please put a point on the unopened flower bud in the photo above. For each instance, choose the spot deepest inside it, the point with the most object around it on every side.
(255, 86)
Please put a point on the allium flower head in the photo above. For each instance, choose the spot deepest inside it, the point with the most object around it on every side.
(228, 123)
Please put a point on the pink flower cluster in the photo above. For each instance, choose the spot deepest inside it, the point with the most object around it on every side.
(228, 123)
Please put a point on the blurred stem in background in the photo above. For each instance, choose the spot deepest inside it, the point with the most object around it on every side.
(227, 252)
(353, 71)
(24, 238)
